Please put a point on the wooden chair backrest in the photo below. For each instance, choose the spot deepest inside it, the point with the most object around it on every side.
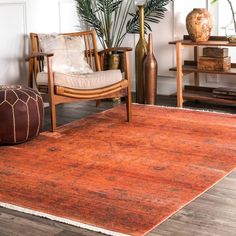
(91, 51)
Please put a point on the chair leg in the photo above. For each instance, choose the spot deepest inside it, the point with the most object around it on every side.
(53, 117)
(129, 105)
(98, 103)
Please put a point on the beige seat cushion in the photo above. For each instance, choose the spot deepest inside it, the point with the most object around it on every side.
(93, 80)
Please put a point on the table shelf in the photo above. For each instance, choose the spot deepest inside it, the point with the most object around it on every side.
(204, 94)
(187, 67)
(192, 69)
(213, 41)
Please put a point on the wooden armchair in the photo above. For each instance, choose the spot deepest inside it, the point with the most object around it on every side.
(56, 93)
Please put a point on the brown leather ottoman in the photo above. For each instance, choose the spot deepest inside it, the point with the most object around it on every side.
(21, 114)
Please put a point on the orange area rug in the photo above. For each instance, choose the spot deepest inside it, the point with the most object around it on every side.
(116, 177)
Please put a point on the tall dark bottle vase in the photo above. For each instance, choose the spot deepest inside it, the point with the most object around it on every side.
(150, 74)
(140, 54)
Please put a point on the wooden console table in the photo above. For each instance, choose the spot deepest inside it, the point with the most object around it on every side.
(191, 67)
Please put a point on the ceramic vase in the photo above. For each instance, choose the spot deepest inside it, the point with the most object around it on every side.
(199, 24)
(140, 54)
(150, 74)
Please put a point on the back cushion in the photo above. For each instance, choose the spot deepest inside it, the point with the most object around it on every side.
(75, 52)
(68, 53)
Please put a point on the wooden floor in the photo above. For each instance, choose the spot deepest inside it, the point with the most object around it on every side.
(212, 214)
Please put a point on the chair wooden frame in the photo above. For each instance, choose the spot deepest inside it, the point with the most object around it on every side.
(58, 94)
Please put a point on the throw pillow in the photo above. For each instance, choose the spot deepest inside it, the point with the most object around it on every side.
(75, 51)
(68, 58)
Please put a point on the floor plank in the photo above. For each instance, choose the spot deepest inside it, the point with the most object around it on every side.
(212, 214)
(15, 225)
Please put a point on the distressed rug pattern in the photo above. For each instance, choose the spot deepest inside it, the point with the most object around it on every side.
(122, 177)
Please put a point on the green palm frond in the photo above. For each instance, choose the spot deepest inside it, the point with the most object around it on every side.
(110, 18)
(86, 13)
(108, 5)
(154, 11)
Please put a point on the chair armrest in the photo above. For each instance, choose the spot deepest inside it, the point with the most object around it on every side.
(38, 54)
(35, 66)
(117, 49)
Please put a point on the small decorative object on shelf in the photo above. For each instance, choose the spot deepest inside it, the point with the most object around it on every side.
(140, 54)
(214, 64)
(232, 38)
(214, 59)
(215, 52)
(150, 74)
(199, 24)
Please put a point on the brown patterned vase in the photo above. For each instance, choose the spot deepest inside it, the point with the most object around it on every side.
(199, 24)
(21, 114)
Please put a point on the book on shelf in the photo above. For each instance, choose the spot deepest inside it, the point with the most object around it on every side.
(225, 93)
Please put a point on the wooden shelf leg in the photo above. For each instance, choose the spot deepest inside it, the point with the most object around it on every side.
(196, 79)
(196, 74)
(179, 75)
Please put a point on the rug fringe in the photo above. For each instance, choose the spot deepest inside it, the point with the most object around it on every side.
(60, 219)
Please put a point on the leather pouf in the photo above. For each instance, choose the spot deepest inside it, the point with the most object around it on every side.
(21, 114)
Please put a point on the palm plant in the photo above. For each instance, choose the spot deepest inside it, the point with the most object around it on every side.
(113, 19)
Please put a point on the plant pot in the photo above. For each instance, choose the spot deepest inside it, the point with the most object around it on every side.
(114, 61)
(199, 24)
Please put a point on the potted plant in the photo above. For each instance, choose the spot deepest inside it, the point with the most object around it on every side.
(113, 19)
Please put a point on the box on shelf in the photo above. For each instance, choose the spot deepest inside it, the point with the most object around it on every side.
(214, 64)
(215, 52)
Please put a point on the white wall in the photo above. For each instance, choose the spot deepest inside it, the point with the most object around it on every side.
(19, 17)
(12, 42)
